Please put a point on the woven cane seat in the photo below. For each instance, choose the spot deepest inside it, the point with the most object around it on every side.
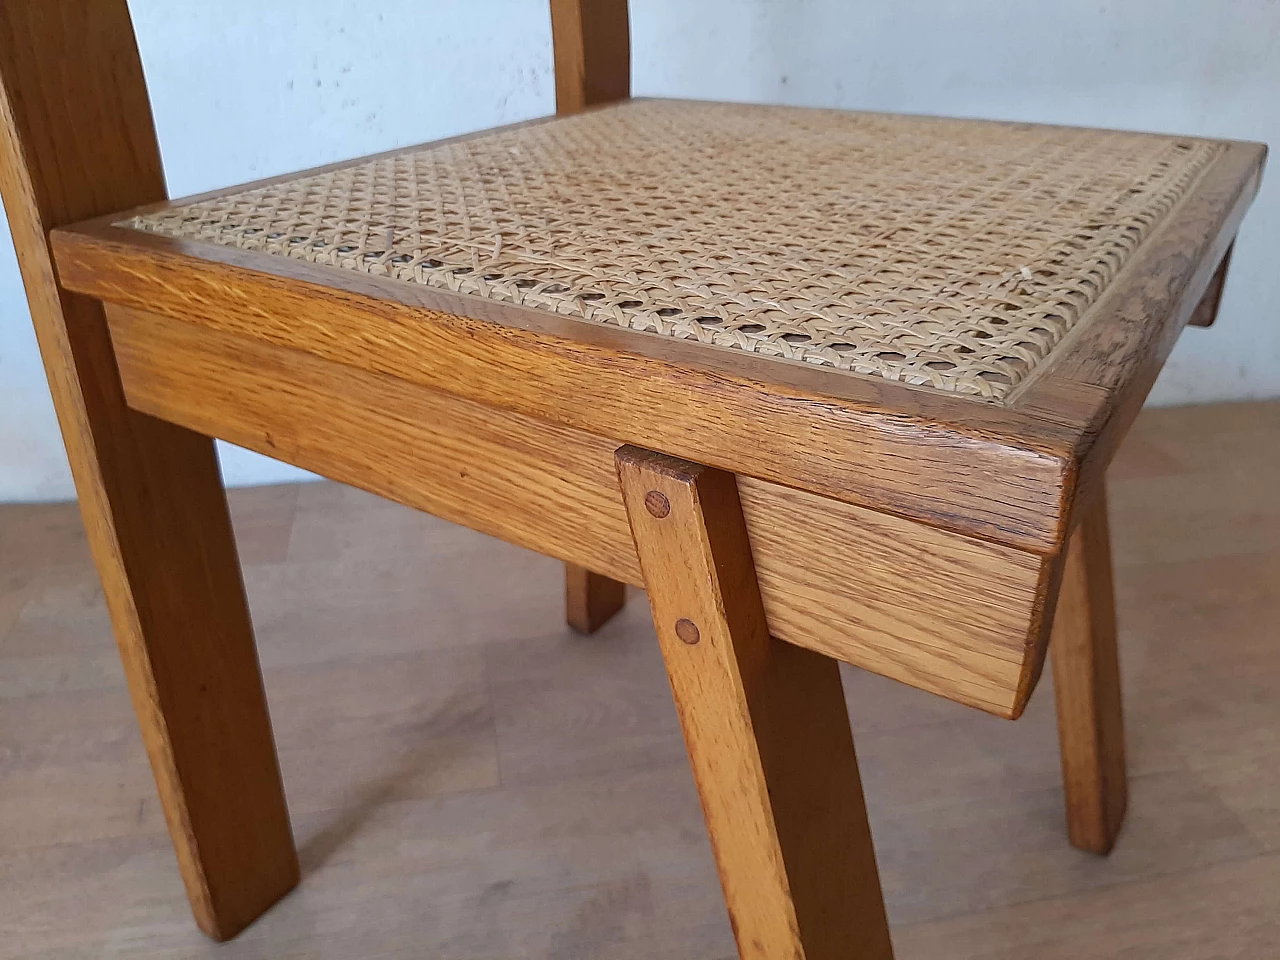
(949, 254)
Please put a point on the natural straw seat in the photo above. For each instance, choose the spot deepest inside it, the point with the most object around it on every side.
(953, 254)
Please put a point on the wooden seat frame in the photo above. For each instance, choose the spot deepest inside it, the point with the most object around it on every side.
(752, 663)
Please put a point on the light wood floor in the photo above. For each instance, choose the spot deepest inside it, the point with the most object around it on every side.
(469, 780)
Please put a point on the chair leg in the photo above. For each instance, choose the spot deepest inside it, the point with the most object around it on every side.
(765, 724)
(590, 599)
(157, 520)
(1086, 681)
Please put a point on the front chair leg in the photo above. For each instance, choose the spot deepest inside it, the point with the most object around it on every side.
(765, 724)
(1086, 682)
(590, 599)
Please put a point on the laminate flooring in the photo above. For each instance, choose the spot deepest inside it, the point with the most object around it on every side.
(468, 779)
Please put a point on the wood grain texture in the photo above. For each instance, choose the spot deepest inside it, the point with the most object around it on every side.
(1005, 473)
(765, 725)
(1097, 382)
(592, 43)
(590, 599)
(952, 614)
(1135, 323)
(958, 464)
(77, 141)
(1206, 311)
(983, 496)
(1086, 679)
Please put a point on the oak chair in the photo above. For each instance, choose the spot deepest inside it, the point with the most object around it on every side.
(676, 345)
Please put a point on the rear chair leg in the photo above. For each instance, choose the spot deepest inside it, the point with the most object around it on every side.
(765, 724)
(157, 520)
(1206, 311)
(1086, 682)
(590, 599)
(76, 141)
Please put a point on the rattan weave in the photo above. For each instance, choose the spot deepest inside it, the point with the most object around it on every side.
(953, 254)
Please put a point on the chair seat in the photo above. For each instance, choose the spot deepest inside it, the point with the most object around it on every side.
(948, 254)
(951, 321)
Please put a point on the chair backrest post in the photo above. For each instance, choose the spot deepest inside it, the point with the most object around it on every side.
(76, 141)
(77, 138)
(592, 40)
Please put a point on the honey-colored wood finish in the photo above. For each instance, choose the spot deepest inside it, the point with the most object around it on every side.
(968, 623)
(812, 429)
(1086, 680)
(765, 725)
(590, 599)
(1004, 473)
(592, 42)
(77, 140)
(1097, 387)
(917, 533)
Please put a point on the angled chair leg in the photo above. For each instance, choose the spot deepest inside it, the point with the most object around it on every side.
(76, 141)
(590, 599)
(157, 519)
(765, 724)
(1086, 682)
(1206, 311)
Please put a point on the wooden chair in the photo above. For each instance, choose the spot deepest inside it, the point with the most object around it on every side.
(830, 386)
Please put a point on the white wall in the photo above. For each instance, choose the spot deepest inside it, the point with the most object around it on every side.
(245, 88)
